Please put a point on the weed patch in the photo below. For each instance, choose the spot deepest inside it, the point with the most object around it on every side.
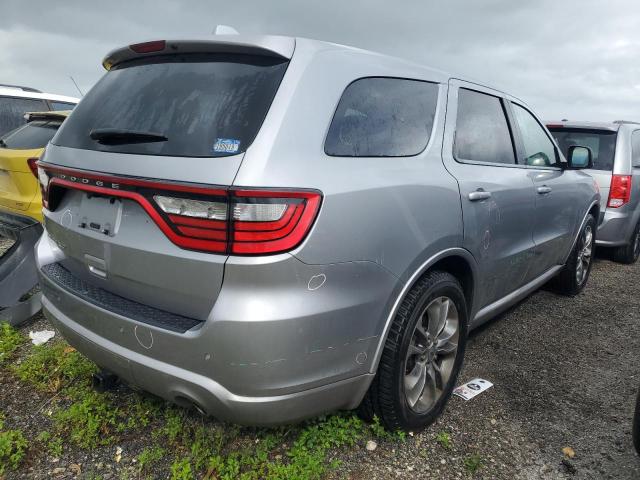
(10, 340)
(12, 447)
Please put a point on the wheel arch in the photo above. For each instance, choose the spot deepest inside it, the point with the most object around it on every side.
(456, 261)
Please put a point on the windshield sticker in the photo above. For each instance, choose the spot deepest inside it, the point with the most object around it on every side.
(226, 145)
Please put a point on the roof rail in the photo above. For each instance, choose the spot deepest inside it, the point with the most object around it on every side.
(626, 121)
(19, 87)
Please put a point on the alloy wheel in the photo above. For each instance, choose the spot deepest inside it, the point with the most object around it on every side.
(584, 254)
(431, 354)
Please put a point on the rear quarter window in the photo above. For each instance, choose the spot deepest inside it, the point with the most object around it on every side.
(205, 105)
(12, 110)
(34, 134)
(383, 117)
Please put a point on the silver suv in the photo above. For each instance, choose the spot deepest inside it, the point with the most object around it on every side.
(269, 228)
(616, 160)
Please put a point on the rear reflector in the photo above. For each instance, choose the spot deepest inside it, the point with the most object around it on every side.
(221, 220)
(620, 191)
(148, 47)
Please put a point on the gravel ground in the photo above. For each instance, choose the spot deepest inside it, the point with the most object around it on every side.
(565, 372)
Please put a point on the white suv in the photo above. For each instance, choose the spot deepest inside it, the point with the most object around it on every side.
(15, 101)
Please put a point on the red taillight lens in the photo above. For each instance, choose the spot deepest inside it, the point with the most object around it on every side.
(33, 165)
(271, 221)
(149, 47)
(221, 220)
(620, 192)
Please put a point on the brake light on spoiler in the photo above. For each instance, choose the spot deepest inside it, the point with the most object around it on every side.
(236, 221)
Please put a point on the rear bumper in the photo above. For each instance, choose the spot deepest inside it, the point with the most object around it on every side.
(615, 228)
(276, 348)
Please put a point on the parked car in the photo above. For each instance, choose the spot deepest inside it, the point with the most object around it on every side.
(15, 101)
(616, 159)
(21, 211)
(269, 228)
(635, 427)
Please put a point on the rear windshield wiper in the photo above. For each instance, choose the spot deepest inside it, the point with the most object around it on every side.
(114, 136)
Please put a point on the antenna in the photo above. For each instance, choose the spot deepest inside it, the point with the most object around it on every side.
(225, 30)
(74, 82)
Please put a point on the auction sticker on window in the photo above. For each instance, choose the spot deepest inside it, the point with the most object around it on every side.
(226, 145)
(472, 389)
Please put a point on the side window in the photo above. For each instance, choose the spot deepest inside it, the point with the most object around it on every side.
(383, 117)
(482, 131)
(539, 150)
(12, 111)
(56, 106)
(635, 149)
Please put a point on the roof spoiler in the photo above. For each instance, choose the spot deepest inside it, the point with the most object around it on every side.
(265, 45)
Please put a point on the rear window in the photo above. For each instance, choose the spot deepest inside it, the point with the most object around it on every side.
(12, 110)
(35, 134)
(601, 142)
(57, 106)
(383, 117)
(203, 105)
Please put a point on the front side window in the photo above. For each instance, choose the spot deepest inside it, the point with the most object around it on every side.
(482, 132)
(12, 110)
(635, 149)
(539, 150)
(601, 142)
(186, 105)
(34, 134)
(383, 117)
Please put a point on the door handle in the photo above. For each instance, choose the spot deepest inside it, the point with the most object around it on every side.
(544, 189)
(479, 195)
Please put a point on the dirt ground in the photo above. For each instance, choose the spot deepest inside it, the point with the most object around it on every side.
(565, 374)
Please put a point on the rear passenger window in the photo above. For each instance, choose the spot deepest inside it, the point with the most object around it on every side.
(635, 148)
(539, 150)
(383, 117)
(12, 110)
(482, 131)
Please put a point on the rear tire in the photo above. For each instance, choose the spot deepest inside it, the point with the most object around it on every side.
(629, 253)
(635, 429)
(574, 275)
(422, 355)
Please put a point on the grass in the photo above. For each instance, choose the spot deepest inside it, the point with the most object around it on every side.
(13, 446)
(10, 340)
(473, 463)
(185, 446)
(444, 439)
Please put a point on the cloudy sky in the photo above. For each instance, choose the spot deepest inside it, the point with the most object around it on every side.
(577, 59)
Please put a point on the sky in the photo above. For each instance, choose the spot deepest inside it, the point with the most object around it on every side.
(575, 59)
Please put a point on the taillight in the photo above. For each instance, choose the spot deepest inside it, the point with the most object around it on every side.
(33, 165)
(222, 220)
(620, 191)
(148, 47)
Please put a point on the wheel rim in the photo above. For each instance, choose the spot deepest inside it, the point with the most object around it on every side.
(584, 255)
(431, 354)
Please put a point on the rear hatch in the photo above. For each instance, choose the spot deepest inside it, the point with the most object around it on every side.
(18, 151)
(140, 169)
(603, 147)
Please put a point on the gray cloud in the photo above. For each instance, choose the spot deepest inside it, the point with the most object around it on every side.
(575, 59)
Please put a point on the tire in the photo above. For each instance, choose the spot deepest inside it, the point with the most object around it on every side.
(629, 253)
(569, 282)
(389, 396)
(635, 429)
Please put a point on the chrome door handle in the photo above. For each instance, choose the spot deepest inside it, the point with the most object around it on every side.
(479, 195)
(544, 189)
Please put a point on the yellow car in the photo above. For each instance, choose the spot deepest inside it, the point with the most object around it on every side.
(19, 150)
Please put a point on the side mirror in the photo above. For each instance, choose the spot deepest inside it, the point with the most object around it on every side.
(580, 157)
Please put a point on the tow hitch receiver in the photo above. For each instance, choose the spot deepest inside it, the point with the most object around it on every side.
(18, 272)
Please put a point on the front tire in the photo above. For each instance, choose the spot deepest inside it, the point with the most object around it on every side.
(573, 277)
(422, 355)
(629, 253)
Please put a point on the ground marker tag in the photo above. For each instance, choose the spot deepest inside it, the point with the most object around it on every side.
(472, 388)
